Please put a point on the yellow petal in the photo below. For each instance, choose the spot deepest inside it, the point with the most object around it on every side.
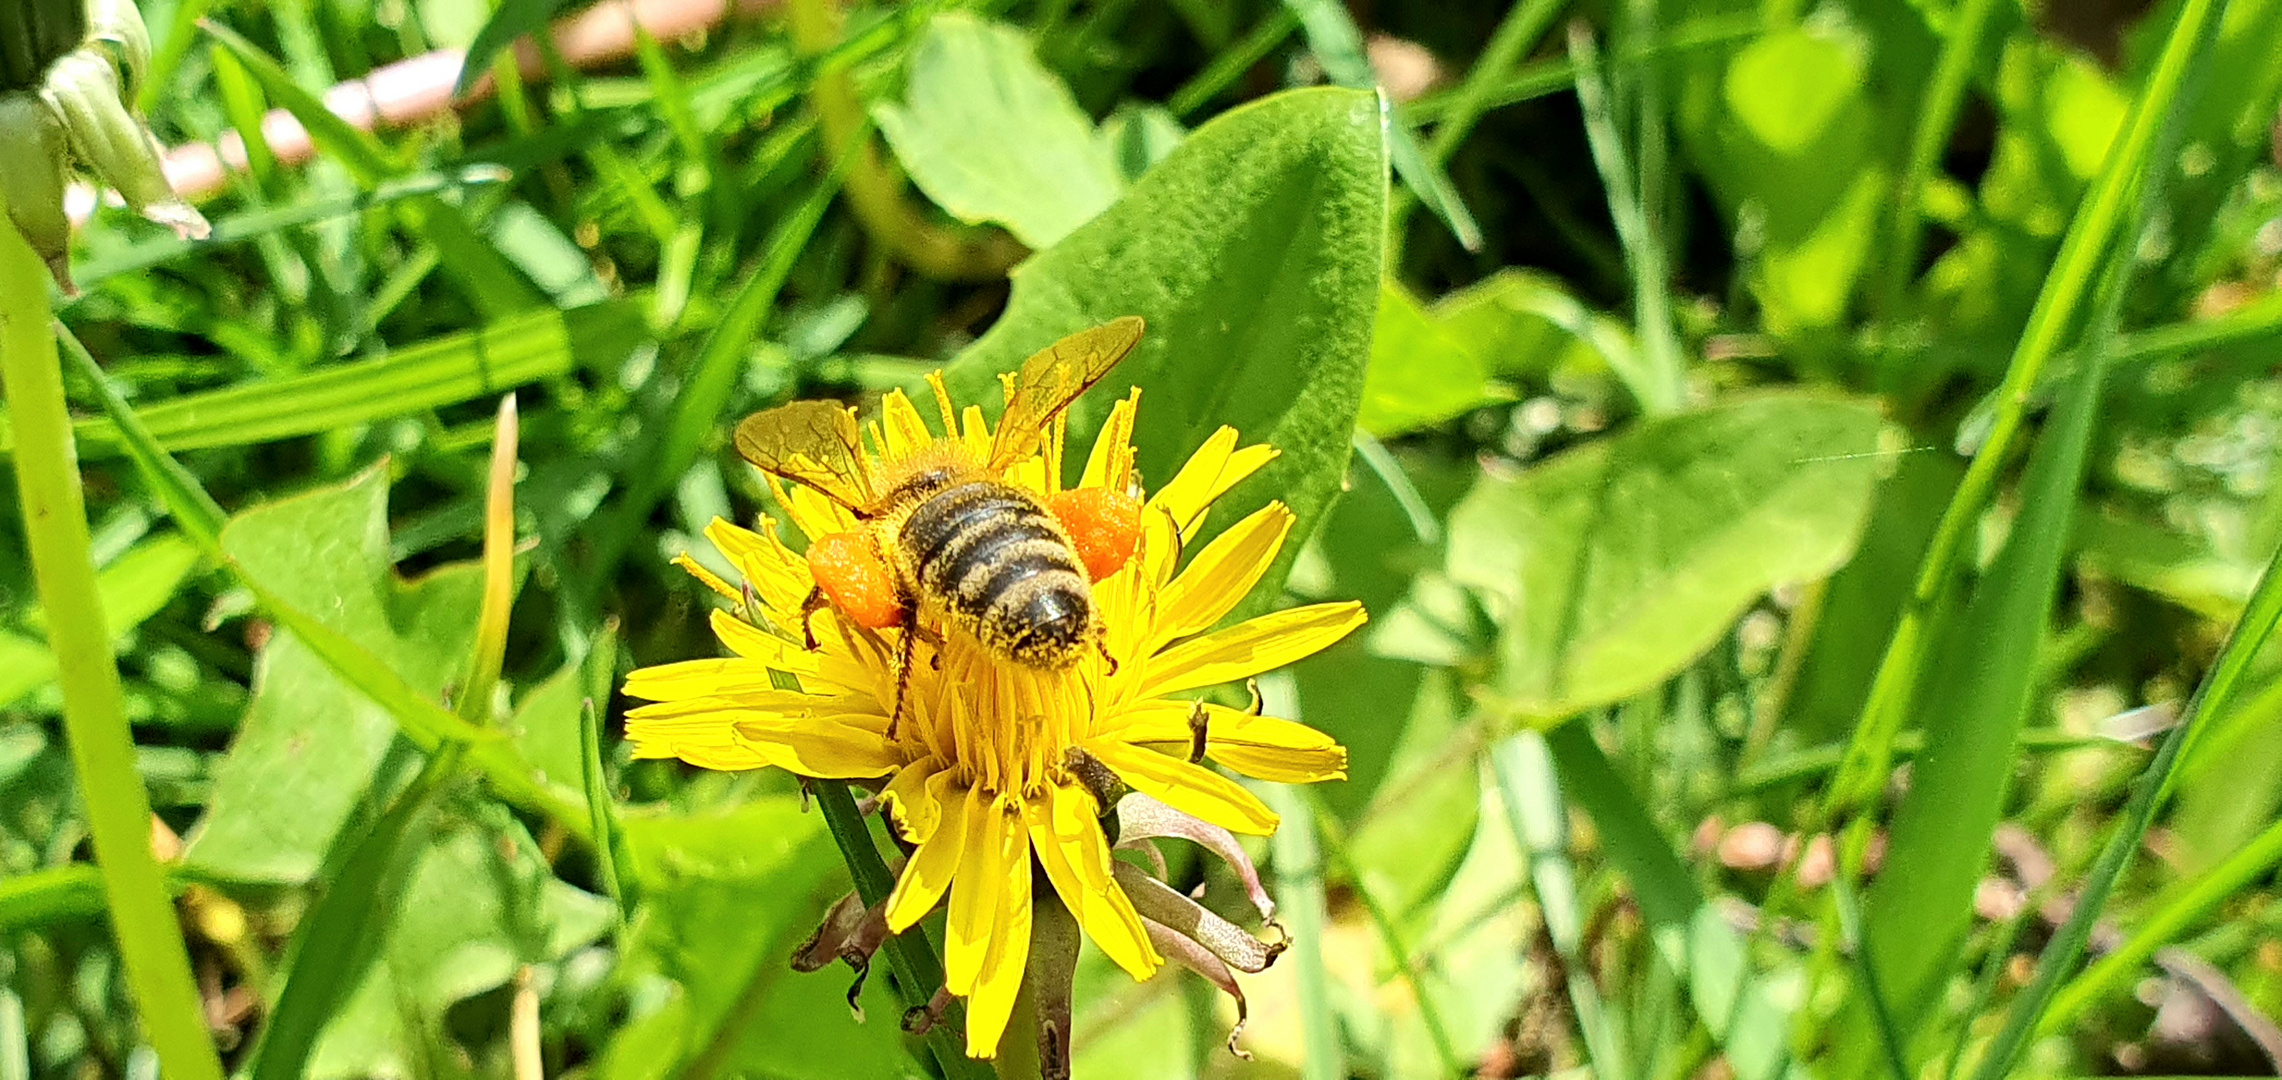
(912, 799)
(1065, 831)
(779, 577)
(1215, 467)
(992, 1001)
(974, 430)
(708, 578)
(974, 904)
(753, 643)
(1192, 790)
(838, 747)
(698, 678)
(1249, 648)
(928, 875)
(1111, 463)
(1261, 747)
(1222, 574)
(901, 429)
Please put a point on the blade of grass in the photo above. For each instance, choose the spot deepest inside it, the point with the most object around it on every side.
(2091, 235)
(498, 572)
(143, 919)
(1531, 793)
(2183, 908)
(1661, 385)
(712, 378)
(601, 676)
(73, 891)
(918, 967)
(1920, 910)
(513, 19)
(1300, 900)
(1338, 45)
(1807, 764)
(1547, 77)
(1736, 1006)
(425, 723)
(255, 224)
(2030, 1011)
(1231, 63)
(442, 371)
(1517, 34)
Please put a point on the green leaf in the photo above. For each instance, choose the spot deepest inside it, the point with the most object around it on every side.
(479, 904)
(1795, 155)
(732, 893)
(454, 368)
(1524, 324)
(311, 743)
(1254, 251)
(1421, 373)
(1616, 564)
(991, 135)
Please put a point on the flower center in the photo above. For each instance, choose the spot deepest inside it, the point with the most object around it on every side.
(1005, 727)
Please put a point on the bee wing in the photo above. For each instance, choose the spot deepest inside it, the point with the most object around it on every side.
(1054, 378)
(810, 442)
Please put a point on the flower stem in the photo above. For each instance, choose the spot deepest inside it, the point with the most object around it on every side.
(94, 710)
(918, 970)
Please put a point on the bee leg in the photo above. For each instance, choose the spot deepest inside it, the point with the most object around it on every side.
(1101, 645)
(808, 609)
(902, 678)
(1199, 722)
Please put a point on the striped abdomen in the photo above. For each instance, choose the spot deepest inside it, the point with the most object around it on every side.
(1002, 569)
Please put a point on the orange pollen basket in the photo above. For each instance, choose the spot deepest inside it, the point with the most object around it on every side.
(853, 576)
(1104, 524)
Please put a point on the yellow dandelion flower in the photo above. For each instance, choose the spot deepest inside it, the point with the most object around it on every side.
(992, 765)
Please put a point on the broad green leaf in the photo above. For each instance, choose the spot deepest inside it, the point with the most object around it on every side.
(1794, 153)
(133, 588)
(731, 894)
(991, 135)
(1421, 373)
(479, 904)
(1254, 251)
(443, 371)
(311, 745)
(1614, 565)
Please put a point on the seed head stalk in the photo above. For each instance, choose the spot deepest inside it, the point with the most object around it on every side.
(95, 719)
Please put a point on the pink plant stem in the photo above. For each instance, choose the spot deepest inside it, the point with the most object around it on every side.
(420, 87)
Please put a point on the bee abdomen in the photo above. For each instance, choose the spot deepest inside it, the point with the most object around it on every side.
(998, 563)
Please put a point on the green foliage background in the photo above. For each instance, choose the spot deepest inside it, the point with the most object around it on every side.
(1745, 422)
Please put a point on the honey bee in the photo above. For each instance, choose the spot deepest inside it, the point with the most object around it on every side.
(943, 539)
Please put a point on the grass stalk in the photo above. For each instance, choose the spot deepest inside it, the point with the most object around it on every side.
(2030, 1011)
(1661, 386)
(94, 708)
(2091, 235)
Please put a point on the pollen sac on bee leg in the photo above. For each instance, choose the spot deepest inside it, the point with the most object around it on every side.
(851, 933)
